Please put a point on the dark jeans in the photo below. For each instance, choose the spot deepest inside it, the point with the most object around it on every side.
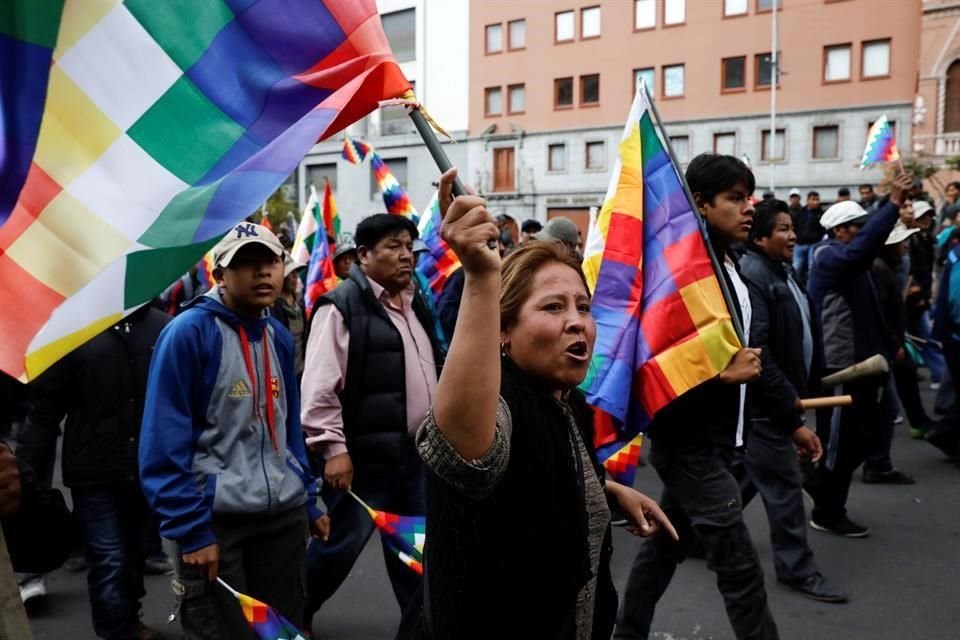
(847, 436)
(879, 452)
(769, 465)
(113, 523)
(702, 499)
(396, 490)
(260, 556)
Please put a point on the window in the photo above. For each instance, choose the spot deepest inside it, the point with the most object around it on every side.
(951, 102)
(763, 69)
(778, 145)
(397, 166)
(836, 63)
(494, 41)
(503, 174)
(644, 14)
(401, 30)
(876, 59)
(557, 157)
(492, 101)
(563, 93)
(681, 147)
(893, 128)
(734, 7)
(516, 35)
(590, 23)
(395, 121)
(317, 174)
(725, 143)
(516, 98)
(767, 5)
(648, 75)
(673, 81)
(590, 89)
(826, 142)
(596, 155)
(564, 26)
(674, 12)
(734, 74)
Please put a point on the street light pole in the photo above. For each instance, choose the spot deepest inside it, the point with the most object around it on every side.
(774, 78)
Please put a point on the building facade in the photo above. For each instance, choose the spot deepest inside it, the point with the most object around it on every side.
(551, 83)
(429, 40)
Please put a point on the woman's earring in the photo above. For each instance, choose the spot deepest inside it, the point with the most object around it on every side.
(503, 350)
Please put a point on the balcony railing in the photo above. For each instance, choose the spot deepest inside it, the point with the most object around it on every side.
(944, 144)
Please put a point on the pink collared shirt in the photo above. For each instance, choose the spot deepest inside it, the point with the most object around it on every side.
(325, 371)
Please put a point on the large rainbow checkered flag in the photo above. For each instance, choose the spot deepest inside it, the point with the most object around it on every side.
(163, 124)
(662, 324)
(439, 262)
(266, 621)
(405, 535)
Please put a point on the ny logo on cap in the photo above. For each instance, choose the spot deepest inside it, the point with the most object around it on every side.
(249, 229)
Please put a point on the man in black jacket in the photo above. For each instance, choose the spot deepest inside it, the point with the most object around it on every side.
(784, 330)
(100, 388)
(809, 233)
(693, 440)
(371, 368)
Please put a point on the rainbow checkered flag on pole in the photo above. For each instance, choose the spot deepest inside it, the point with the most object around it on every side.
(394, 197)
(404, 534)
(662, 324)
(355, 151)
(135, 133)
(881, 146)
(439, 262)
(266, 621)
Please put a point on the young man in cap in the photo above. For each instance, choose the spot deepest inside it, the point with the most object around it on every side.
(343, 259)
(845, 301)
(222, 457)
(795, 205)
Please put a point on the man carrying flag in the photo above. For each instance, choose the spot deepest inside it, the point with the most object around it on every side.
(693, 440)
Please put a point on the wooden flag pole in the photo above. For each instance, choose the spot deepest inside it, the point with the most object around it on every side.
(717, 267)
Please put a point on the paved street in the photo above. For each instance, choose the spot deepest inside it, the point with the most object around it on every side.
(903, 578)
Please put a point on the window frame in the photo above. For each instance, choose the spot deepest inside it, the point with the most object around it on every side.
(584, 104)
(510, 46)
(764, 134)
(399, 54)
(717, 134)
(566, 163)
(758, 10)
(556, 15)
(723, 75)
(637, 29)
(813, 142)
(486, 39)
(756, 71)
(823, 72)
(863, 58)
(586, 155)
(510, 87)
(733, 16)
(633, 77)
(663, 81)
(486, 101)
(582, 11)
(556, 105)
(663, 15)
(685, 136)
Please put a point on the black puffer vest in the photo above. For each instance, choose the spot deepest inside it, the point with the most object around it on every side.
(374, 394)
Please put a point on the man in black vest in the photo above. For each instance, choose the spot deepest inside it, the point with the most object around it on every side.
(371, 368)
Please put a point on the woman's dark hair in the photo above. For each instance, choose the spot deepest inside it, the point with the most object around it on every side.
(710, 174)
(375, 228)
(518, 270)
(765, 218)
(955, 184)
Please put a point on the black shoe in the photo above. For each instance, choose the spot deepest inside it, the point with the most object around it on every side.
(816, 587)
(842, 526)
(894, 476)
(946, 440)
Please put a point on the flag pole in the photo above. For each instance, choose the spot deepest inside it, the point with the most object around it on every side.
(438, 154)
(357, 498)
(717, 267)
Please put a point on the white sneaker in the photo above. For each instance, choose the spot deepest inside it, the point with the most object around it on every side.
(35, 587)
(935, 386)
(898, 420)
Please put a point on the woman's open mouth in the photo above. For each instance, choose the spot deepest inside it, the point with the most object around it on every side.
(578, 351)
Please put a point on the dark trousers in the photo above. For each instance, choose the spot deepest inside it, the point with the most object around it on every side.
(879, 456)
(398, 490)
(260, 556)
(702, 499)
(769, 466)
(908, 390)
(113, 522)
(848, 435)
(950, 425)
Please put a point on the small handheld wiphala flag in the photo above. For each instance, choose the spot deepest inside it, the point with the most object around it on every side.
(880, 144)
(267, 623)
(404, 534)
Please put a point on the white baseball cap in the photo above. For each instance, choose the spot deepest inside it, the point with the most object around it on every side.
(921, 208)
(842, 213)
(900, 233)
(795, 192)
(240, 236)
